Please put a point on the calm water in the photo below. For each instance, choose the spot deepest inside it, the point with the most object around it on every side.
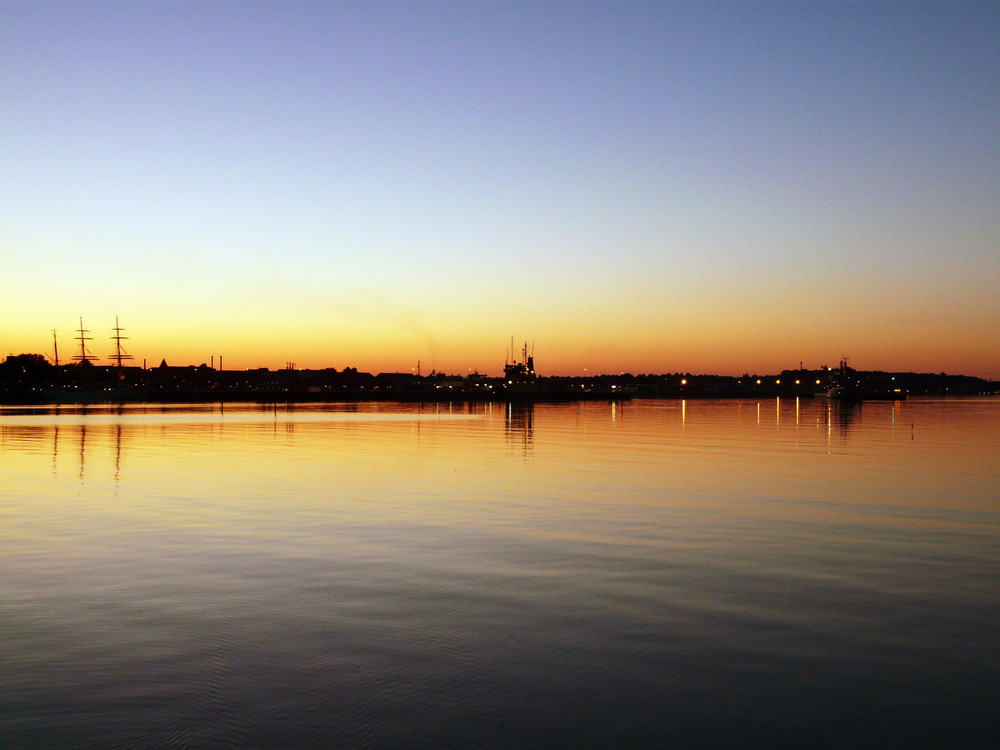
(646, 574)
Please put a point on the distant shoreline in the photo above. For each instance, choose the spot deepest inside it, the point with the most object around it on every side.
(29, 379)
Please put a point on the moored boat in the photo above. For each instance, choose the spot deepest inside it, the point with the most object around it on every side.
(844, 384)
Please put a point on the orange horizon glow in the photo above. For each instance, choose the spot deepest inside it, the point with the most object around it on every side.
(566, 356)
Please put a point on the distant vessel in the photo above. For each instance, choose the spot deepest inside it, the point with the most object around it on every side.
(845, 385)
(519, 372)
(120, 354)
(84, 357)
(519, 378)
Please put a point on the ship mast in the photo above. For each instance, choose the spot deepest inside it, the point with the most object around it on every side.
(83, 357)
(55, 347)
(120, 353)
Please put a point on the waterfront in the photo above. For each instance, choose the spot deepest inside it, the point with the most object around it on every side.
(696, 573)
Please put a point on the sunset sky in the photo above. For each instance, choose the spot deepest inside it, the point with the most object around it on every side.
(719, 187)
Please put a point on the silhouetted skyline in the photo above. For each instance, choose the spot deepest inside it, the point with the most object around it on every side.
(80, 348)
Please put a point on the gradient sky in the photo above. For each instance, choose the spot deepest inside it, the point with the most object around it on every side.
(647, 187)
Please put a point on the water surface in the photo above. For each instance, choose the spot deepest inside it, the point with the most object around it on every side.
(650, 573)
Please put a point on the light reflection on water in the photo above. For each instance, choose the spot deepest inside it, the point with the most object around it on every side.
(700, 573)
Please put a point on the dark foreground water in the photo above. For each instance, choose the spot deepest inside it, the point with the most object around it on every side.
(647, 574)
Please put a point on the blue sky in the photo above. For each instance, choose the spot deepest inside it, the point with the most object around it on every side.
(639, 186)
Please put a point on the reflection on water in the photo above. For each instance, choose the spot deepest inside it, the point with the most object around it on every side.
(842, 414)
(520, 425)
(647, 573)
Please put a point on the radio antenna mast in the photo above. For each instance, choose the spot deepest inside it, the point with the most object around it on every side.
(55, 347)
